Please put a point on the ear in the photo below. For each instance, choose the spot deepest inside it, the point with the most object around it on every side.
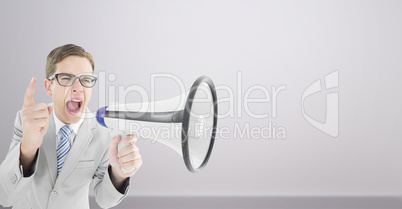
(48, 86)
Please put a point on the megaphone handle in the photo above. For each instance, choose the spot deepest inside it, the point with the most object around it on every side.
(120, 146)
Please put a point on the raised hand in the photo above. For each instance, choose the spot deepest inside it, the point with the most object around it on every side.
(35, 121)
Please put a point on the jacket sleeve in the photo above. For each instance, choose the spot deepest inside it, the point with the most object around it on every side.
(106, 195)
(13, 183)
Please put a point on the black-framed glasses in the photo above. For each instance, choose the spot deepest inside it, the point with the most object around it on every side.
(67, 79)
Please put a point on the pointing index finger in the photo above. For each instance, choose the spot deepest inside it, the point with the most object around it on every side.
(28, 99)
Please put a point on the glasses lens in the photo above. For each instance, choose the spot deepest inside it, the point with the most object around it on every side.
(65, 79)
(87, 80)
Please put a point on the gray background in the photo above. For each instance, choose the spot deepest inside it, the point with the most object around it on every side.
(290, 43)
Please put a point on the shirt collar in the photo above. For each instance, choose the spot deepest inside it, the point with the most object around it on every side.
(59, 124)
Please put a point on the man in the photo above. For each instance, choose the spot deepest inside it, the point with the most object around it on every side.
(58, 149)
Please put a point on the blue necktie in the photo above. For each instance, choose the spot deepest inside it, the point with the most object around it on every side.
(63, 147)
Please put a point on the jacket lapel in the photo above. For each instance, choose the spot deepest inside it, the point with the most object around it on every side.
(49, 148)
(81, 142)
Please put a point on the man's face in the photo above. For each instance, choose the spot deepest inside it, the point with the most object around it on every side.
(70, 102)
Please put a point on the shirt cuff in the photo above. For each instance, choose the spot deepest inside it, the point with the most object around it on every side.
(126, 183)
(32, 169)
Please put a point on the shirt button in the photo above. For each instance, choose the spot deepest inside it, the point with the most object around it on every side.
(54, 193)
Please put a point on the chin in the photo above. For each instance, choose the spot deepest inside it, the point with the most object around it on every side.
(72, 119)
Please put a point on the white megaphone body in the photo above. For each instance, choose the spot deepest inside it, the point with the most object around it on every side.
(186, 123)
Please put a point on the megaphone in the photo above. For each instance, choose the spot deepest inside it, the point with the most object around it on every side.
(186, 123)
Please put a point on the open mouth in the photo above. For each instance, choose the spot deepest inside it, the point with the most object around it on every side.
(74, 105)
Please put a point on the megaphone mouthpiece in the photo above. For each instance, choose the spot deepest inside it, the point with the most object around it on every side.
(100, 116)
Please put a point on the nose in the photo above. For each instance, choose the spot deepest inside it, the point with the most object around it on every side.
(77, 87)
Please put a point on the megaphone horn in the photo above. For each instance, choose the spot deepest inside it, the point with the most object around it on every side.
(196, 120)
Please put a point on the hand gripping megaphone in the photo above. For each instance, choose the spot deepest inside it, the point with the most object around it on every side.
(186, 123)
